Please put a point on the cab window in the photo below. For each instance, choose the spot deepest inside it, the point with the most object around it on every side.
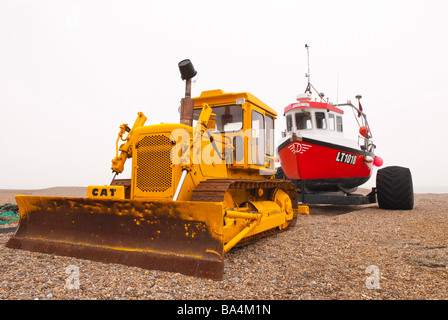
(228, 118)
(258, 142)
(270, 135)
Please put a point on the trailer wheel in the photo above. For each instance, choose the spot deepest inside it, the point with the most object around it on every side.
(394, 188)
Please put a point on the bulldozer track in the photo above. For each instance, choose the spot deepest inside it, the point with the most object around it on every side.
(213, 190)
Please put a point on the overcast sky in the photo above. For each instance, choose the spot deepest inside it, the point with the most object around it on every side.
(71, 72)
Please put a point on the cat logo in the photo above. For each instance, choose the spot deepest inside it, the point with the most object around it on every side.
(105, 192)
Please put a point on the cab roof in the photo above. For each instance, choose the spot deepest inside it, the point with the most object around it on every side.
(219, 97)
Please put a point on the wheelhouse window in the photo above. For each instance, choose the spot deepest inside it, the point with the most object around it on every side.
(303, 121)
(331, 123)
(339, 123)
(289, 123)
(321, 122)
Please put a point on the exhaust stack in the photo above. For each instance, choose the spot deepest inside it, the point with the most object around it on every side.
(187, 72)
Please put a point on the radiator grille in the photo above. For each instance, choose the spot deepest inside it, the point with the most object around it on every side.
(154, 171)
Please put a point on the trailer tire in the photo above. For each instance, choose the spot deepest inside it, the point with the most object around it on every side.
(394, 188)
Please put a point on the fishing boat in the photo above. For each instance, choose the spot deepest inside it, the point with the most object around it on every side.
(314, 151)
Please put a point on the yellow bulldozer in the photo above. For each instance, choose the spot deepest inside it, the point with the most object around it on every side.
(197, 189)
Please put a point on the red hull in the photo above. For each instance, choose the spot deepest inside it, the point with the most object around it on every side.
(323, 164)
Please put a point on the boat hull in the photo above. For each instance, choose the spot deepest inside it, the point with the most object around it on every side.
(323, 166)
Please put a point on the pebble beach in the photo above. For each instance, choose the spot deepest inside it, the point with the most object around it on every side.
(335, 252)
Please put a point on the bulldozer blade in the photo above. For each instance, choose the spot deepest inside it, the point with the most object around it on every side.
(184, 237)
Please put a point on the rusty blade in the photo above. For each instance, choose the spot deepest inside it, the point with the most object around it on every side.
(184, 237)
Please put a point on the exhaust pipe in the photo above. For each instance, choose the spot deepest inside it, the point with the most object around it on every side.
(187, 72)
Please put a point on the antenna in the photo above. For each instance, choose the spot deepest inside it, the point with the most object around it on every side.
(308, 87)
(337, 90)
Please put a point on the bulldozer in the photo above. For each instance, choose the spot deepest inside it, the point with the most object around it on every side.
(198, 188)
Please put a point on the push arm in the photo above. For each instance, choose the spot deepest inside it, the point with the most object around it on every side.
(126, 148)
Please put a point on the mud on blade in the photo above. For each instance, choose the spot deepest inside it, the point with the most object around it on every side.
(184, 237)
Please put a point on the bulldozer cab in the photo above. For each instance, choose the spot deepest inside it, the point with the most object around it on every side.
(244, 125)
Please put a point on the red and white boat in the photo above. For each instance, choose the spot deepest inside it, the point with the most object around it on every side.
(314, 151)
(326, 167)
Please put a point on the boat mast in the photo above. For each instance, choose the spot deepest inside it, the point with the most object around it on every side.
(308, 87)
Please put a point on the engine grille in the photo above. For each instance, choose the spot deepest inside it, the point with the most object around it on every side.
(154, 171)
